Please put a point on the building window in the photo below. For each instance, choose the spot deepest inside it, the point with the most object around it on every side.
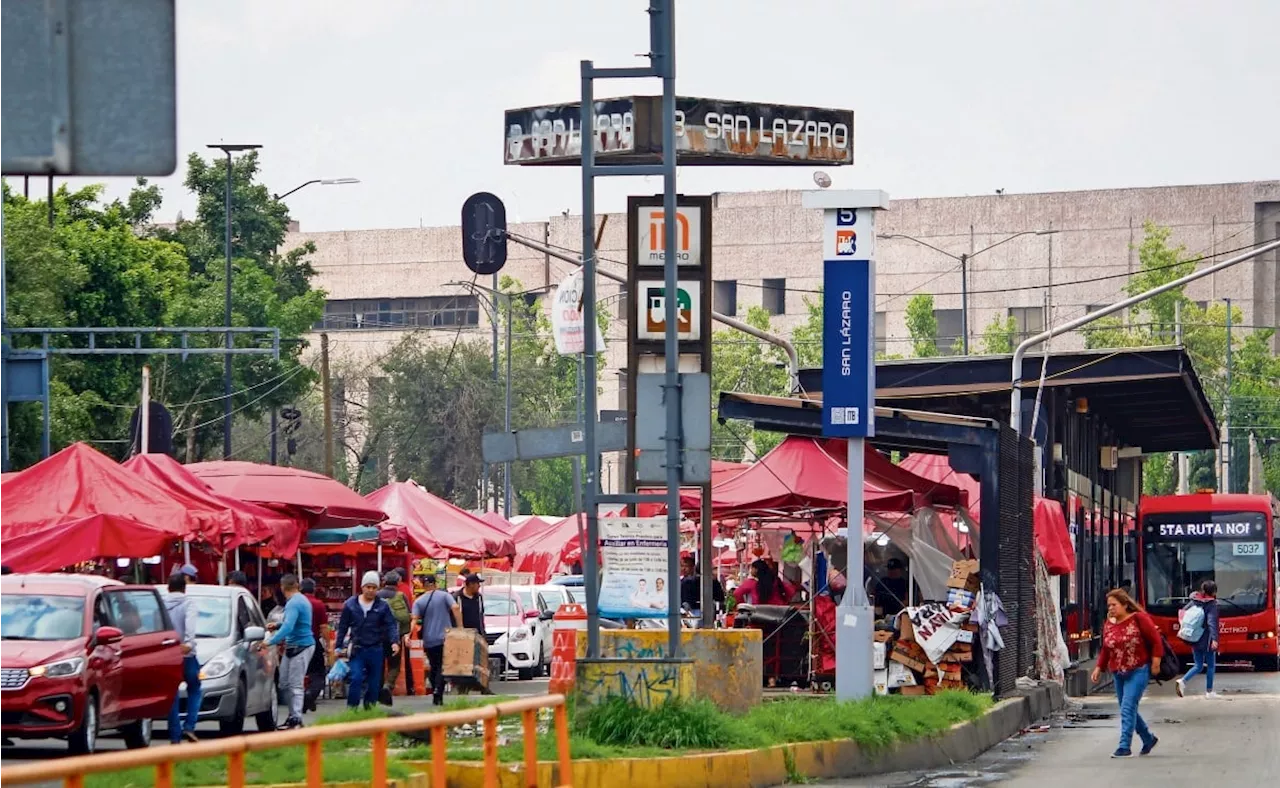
(882, 333)
(1028, 319)
(401, 313)
(724, 296)
(950, 322)
(774, 297)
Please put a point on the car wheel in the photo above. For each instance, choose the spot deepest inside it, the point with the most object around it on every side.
(84, 740)
(1271, 663)
(137, 735)
(266, 720)
(544, 668)
(524, 674)
(235, 723)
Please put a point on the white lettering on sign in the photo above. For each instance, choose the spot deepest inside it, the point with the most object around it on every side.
(846, 333)
(1215, 530)
(792, 133)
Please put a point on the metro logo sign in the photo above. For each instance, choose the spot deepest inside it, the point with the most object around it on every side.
(651, 237)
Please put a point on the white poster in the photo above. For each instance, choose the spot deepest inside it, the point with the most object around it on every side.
(567, 317)
(936, 627)
(633, 551)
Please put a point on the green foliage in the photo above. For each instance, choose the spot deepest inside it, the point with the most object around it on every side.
(807, 336)
(104, 265)
(1255, 374)
(922, 324)
(997, 337)
(743, 363)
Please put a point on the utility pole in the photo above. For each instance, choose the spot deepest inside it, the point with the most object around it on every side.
(144, 415)
(327, 405)
(506, 420)
(1224, 484)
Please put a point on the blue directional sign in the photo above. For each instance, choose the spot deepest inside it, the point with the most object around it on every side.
(848, 331)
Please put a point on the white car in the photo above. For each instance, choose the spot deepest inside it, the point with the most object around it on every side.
(518, 624)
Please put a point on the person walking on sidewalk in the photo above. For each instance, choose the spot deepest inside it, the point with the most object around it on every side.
(373, 630)
(183, 616)
(1199, 626)
(400, 605)
(299, 644)
(435, 610)
(1131, 650)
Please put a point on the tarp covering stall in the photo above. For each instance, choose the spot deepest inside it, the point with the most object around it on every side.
(224, 522)
(437, 528)
(79, 505)
(325, 502)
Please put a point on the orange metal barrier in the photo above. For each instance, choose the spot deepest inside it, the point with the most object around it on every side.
(71, 771)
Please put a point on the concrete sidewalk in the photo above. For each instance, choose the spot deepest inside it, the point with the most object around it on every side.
(1231, 741)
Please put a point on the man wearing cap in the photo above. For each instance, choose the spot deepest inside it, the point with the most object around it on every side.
(373, 629)
(400, 605)
(299, 644)
(435, 610)
(891, 592)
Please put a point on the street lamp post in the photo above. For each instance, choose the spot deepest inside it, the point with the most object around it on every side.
(278, 198)
(964, 259)
(494, 294)
(228, 149)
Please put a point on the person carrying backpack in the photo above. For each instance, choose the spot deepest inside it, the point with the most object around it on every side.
(399, 605)
(1198, 625)
(1131, 650)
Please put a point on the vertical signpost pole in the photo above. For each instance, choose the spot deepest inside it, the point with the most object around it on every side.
(591, 550)
(848, 398)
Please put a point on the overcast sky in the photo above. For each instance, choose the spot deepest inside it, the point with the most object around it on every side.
(951, 97)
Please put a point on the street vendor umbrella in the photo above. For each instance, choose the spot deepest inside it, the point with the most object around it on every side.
(224, 521)
(437, 528)
(79, 505)
(324, 502)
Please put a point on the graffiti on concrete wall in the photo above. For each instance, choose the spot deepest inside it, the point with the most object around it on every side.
(645, 684)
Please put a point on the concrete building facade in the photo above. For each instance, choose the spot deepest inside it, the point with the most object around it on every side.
(1076, 247)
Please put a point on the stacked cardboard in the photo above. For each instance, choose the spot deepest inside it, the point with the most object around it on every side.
(909, 670)
(466, 656)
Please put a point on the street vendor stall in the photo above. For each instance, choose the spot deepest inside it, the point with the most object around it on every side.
(80, 505)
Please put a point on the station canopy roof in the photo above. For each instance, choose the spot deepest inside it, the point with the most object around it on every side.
(1151, 397)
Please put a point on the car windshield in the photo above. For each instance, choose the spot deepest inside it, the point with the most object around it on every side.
(31, 617)
(1181, 552)
(213, 616)
(500, 606)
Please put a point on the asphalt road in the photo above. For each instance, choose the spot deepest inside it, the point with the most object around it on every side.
(35, 750)
(1231, 741)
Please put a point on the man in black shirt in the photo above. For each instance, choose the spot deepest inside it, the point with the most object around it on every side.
(890, 592)
(691, 587)
(472, 604)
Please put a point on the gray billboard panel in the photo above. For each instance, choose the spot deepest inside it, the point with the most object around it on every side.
(88, 87)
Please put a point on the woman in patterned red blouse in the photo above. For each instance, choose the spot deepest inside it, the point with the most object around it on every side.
(1131, 649)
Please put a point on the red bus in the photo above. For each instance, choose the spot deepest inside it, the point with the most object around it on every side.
(1230, 539)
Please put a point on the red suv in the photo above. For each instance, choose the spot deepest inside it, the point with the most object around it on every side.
(80, 654)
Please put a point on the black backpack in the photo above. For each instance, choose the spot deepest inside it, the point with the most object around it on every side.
(1169, 662)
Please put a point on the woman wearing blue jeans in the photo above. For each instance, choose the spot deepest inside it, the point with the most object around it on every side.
(1131, 649)
(1205, 650)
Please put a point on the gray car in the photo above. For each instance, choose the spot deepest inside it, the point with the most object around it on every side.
(237, 669)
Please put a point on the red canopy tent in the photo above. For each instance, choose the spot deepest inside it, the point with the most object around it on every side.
(498, 521)
(799, 474)
(1052, 537)
(324, 502)
(437, 528)
(79, 505)
(224, 521)
(534, 526)
(544, 552)
(721, 471)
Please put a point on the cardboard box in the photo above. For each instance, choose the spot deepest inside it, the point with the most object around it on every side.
(915, 690)
(880, 681)
(910, 654)
(877, 656)
(466, 656)
(900, 676)
(964, 574)
(965, 637)
(882, 636)
(905, 630)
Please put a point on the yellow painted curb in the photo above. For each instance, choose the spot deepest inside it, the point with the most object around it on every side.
(764, 767)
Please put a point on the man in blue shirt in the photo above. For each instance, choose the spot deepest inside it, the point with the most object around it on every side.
(373, 629)
(299, 643)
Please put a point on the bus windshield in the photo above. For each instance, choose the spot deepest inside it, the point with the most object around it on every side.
(1181, 551)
